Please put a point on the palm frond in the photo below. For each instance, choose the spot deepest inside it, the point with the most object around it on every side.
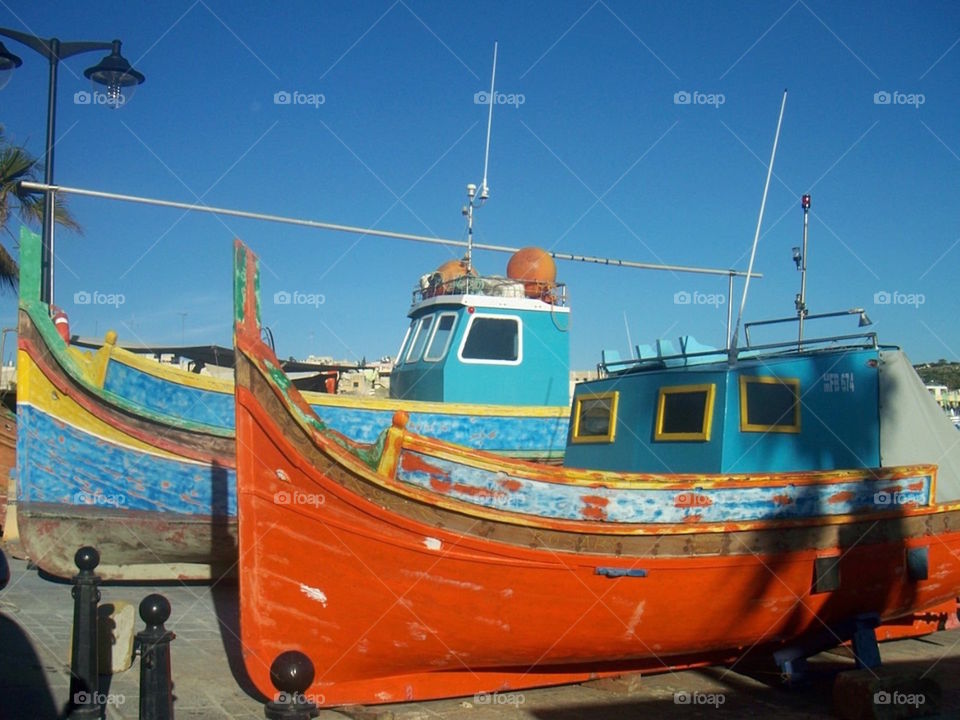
(16, 165)
(9, 270)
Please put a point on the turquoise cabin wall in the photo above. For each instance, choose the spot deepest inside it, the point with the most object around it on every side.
(840, 422)
(839, 418)
(634, 446)
(542, 378)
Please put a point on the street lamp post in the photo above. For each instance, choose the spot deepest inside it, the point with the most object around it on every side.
(113, 72)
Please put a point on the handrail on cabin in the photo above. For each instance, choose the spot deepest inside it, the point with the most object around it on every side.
(869, 340)
(864, 320)
(551, 293)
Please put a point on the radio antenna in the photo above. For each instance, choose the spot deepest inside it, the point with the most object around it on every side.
(732, 344)
(473, 199)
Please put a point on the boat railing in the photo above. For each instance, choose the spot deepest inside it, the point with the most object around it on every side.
(863, 322)
(492, 286)
(856, 341)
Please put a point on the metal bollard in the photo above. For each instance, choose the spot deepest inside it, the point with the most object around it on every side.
(84, 670)
(153, 643)
(291, 673)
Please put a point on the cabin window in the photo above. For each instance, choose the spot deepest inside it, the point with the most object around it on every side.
(595, 417)
(420, 339)
(685, 412)
(492, 339)
(403, 345)
(769, 404)
(442, 334)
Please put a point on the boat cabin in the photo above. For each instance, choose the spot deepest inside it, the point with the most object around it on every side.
(824, 405)
(486, 339)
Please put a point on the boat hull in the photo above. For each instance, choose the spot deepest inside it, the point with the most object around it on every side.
(411, 601)
(138, 459)
(8, 459)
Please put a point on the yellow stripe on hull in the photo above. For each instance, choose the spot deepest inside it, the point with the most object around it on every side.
(35, 389)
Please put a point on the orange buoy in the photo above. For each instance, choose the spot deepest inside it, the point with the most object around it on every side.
(61, 322)
(535, 268)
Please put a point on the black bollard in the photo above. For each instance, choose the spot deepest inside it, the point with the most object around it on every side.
(156, 683)
(291, 673)
(84, 670)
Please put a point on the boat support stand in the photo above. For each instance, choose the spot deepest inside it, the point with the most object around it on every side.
(860, 631)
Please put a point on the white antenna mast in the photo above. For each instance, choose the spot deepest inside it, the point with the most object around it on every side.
(732, 347)
(474, 200)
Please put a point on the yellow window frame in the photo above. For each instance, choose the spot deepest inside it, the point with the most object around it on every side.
(706, 428)
(793, 383)
(614, 399)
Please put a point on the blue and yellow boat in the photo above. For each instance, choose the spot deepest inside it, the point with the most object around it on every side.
(137, 458)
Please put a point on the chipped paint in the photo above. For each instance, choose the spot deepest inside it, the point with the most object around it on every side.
(432, 543)
(314, 594)
(421, 575)
(841, 497)
(635, 618)
(547, 495)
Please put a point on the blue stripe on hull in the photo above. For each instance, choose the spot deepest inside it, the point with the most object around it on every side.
(170, 398)
(652, 505)
(58, 463)
(500, 434)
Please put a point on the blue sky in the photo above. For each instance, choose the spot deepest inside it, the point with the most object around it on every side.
(602, 157)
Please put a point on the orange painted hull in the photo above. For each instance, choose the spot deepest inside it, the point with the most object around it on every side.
(390, 609)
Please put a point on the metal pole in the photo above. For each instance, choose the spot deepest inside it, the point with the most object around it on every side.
(84, 670)
(156, 682)
(46, 254)
(376, 233)
(802, 298)
(756, 237)
(729, 308)
(292, 675)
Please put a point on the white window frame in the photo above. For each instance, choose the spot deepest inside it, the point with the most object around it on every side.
(446, 346)
(416, 336)
(476, 361)
(403, 344)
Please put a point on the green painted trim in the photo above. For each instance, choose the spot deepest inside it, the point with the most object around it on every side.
(30, 244)
(39, 314)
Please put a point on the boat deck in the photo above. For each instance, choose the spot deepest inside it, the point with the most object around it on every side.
(35, 628)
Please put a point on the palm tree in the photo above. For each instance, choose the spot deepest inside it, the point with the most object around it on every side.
(17, 164)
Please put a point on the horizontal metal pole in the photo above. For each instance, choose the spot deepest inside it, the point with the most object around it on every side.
(42, 187)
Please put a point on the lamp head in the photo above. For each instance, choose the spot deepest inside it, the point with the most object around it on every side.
(8, 62)
(116, 74)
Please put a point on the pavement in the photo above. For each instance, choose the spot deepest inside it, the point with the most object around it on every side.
(36, 614)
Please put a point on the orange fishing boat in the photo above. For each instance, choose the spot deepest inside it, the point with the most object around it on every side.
(412, 568)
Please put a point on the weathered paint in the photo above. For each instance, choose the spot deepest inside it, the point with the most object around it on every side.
(104, 473)
(718, 504)
(160, 395)
(537, 571)
(124, 423)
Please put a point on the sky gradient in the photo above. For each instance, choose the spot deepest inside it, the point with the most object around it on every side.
(631, 130)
